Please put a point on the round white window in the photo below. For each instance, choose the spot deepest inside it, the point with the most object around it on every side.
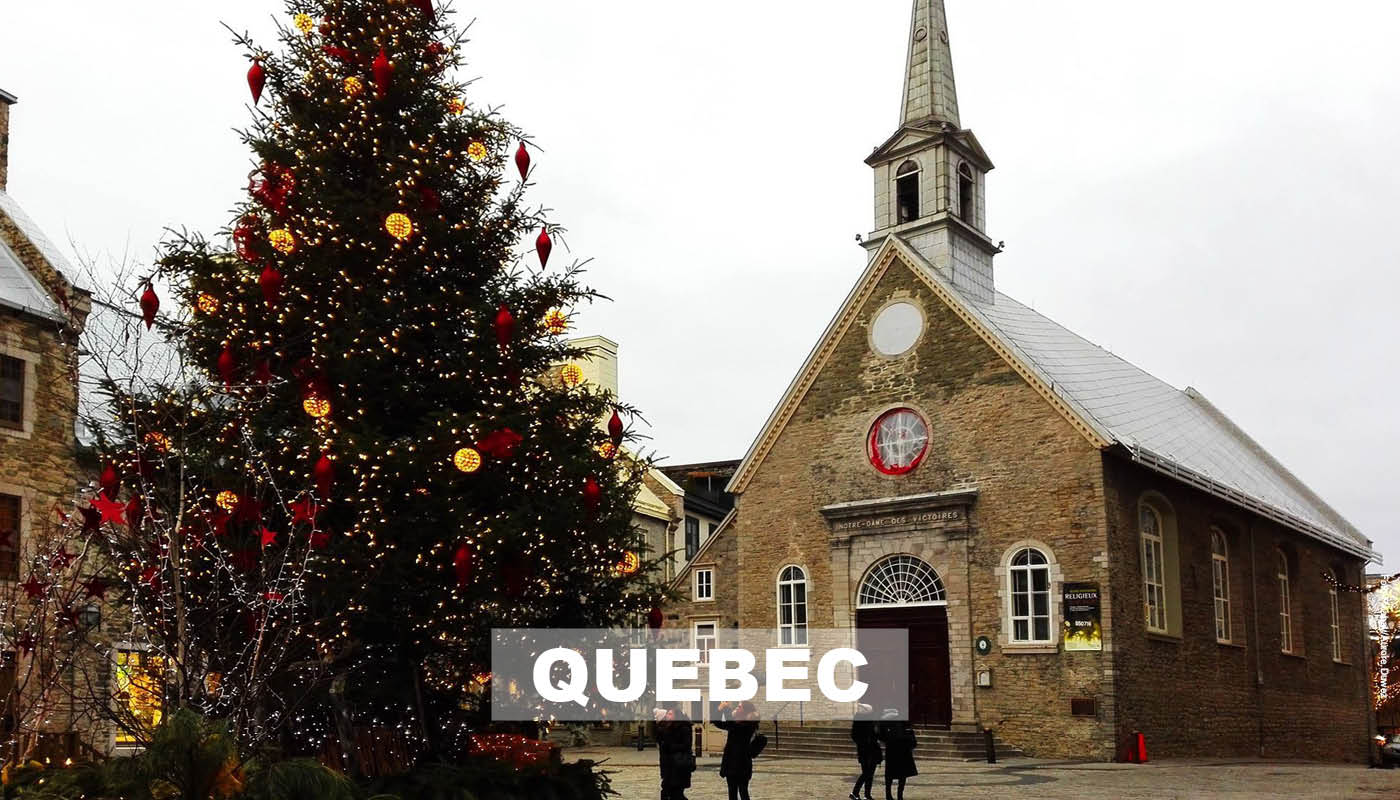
(897, 327)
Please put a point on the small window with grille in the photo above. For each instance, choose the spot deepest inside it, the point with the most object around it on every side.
(11, 392)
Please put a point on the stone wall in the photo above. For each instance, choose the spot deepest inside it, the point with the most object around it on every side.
(1191, 695)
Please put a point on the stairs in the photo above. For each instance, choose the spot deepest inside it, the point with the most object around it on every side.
(832, 741)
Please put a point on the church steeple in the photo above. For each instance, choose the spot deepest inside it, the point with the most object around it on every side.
(929, 90)
(930, 176)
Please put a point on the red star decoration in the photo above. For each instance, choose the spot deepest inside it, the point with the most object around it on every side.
(268, 537)
(92, 519)
(151, 577)
(319, 539)
(34, 588)
(109, 510)
(95, 587)
(305, 509)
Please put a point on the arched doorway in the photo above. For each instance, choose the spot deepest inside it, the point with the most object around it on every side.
(902, 591)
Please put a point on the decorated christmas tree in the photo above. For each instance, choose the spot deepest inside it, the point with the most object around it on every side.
(380, 449)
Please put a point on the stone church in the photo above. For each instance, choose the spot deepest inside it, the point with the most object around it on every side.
(1079, 551)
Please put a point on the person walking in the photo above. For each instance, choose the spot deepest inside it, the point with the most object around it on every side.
(740, 724)
(674, 742)
(867, 750)
(900, 742)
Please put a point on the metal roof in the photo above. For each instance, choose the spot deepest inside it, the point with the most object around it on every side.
(1167, 429)
(19, 289)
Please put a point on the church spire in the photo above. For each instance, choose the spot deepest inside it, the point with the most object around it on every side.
(929, 91)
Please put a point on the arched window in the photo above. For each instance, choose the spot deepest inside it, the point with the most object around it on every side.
(901, 581)
(1285, 617)
(1336, 617)
(1220, 571)
(906, 190)
(1029, 578)
(1154, 587)
(967, 194)
(792, 605)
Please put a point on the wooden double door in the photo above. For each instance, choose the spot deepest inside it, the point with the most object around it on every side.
(930, 677)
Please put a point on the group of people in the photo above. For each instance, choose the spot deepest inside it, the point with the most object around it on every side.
(890, 740)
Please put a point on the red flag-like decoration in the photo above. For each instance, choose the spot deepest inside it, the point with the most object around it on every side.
(150, 304)
(324, 473)
(256, 78)
(271, 284)
(543, 246)
(505, 326)
(500, 444)
(522, 161)
(463, 562)
(383, 71)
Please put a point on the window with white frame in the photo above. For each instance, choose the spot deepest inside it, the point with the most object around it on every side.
(1285, 618)
(1028, 577)
(704, 584)
(1336, 619)
(704, 639)
(1220, 575)
(792, 605)
(1154, 588)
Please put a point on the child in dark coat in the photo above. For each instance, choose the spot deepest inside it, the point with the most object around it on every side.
(899, 752)
(867, 751)
(740, 723)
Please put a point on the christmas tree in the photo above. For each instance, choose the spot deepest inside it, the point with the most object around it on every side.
(381, 449)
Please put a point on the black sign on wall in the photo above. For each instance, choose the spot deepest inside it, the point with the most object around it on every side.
(1081, 611)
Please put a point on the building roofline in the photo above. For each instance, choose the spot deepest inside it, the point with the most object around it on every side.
(8, 98)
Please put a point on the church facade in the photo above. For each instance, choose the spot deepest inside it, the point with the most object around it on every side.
(1079, 551)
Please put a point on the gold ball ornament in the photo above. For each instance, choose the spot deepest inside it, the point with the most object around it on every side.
(399, 226)
(571, 375)
(456, 105)
(354, 86)
(476, 151)
(226, 500)
(630, 564)
(304, 23)
(206, 303)
(556, 321)
(467, 460)
(607, 449)
(316, 406)
(282, 241)
(158, 440)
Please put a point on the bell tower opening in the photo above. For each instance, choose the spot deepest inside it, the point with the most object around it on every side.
(967, 195)
(907, 192)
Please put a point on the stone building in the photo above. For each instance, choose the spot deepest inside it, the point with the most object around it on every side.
(1078, 550)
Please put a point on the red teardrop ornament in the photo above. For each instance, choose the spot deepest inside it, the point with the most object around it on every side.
(463, 563)
(655, 618)
(505, 326)
(615, 429)
(256, 78)
(383, 70)
(592, 493)
(262, 373)
(325, 476)
(271, 284)
(150, 304)
(109, 479)
(426, 6)
(227, 365)
(522, 161)
(543, 246)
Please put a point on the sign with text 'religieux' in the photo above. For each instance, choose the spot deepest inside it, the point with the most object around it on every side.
(1082, 630)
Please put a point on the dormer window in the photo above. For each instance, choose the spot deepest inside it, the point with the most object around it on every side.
(906, 190)
(967, 195)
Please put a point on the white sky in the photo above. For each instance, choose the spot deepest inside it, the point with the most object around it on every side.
(1207, 188)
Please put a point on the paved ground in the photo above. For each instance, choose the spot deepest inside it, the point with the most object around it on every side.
(635, 778)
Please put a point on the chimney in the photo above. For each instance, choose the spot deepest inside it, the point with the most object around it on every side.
(6, 100)
(600, 367)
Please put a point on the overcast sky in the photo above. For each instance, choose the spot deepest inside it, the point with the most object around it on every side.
(1210, 189)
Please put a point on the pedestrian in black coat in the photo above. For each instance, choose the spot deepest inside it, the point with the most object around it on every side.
(899, 752)
(736, 767)
(675, 737)
(867, 751)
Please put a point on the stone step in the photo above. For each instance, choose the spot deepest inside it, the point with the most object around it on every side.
(834, 741)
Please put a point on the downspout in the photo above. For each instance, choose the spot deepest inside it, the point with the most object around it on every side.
(1258, 670)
